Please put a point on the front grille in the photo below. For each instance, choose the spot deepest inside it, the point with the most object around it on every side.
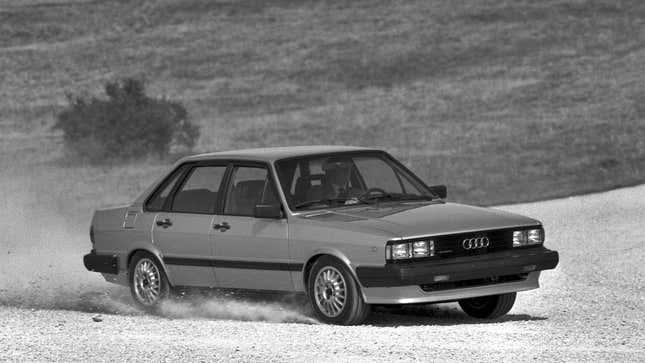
(438, 286)
(452, 245)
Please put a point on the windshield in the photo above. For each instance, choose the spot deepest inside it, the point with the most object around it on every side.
(345, 179)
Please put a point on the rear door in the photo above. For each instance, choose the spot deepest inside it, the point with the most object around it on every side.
(181, 230)
(251, 253)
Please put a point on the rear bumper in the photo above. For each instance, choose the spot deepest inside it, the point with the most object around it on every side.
(107, 264)
(506, 263)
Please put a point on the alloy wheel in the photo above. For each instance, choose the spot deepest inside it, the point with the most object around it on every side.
(330, 291)
(146, 281)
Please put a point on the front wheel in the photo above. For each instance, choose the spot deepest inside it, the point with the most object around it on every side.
(148, 282)
(488, 307)
(334, 294)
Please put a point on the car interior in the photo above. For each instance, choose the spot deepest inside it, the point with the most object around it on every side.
(311, 187)
(195, 201)
(244, 196)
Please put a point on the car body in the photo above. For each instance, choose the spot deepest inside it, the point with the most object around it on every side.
(259, 219)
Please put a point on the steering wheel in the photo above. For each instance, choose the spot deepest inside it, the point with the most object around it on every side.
(364, 196)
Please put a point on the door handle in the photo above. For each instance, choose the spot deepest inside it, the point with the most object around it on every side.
(222, 226)
(165, 223)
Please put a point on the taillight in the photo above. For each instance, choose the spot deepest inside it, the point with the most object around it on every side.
(92, 235)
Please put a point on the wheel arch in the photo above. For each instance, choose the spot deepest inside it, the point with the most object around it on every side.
(306, 269)
(153, 251)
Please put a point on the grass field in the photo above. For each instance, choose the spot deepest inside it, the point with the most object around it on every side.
(503, 101)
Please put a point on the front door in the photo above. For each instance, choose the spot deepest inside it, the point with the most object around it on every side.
(182, 230)
(251, 253)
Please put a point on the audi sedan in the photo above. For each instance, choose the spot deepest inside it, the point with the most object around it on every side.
(350, 227)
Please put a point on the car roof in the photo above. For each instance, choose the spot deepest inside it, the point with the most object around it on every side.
(271, 154)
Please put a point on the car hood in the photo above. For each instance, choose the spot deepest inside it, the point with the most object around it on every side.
(418, 219)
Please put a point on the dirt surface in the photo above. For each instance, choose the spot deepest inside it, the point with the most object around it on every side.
(591, 308)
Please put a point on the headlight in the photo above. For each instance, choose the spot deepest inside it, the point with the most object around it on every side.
(420, 249)
(401, 251)
(519, 238)
(535, 236)
(407, 250)
(528, 237)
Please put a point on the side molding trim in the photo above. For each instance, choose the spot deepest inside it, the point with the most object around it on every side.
(250, 265)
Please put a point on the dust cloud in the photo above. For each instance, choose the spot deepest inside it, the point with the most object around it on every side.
(41, 254)
(42, 242)
(235, 309)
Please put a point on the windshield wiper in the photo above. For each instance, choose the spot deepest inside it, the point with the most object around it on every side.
(368, 196)
(370, 199)
(414, 197)
(327, 201)
(397, 197)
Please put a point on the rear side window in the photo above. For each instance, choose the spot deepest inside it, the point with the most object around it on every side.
(156, 202)
(200, 191)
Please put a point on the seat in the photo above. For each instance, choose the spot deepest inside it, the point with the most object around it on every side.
(244, 197)
(311, 187)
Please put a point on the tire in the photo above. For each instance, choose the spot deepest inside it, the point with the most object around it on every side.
(327, 283)
(488, 307)
(148, 281)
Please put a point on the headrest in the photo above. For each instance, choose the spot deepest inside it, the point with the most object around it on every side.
(249, 187)
(310, 178)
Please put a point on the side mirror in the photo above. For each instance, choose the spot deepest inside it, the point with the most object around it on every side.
(440, 190)
(273, 211)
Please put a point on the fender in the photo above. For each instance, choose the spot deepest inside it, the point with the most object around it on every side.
(151, 248)
(340, 256)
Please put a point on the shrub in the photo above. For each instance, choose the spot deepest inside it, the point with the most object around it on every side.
(127, 125)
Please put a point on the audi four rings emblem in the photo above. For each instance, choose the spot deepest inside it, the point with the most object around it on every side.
(475, 243)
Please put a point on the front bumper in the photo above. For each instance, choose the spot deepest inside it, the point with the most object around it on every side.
(414, 294)
(505, 263)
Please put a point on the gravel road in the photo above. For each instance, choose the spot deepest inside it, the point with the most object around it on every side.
(591, 308)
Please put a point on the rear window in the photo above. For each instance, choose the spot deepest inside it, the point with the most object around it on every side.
(158, 199)
(200, 191)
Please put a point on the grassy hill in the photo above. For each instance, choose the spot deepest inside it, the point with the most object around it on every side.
(503, 101)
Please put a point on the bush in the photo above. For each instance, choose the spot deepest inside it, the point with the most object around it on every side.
(128, 125)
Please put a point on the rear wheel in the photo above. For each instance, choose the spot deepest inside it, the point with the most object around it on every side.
(488, 307)
(148, 282)
(334, 294)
